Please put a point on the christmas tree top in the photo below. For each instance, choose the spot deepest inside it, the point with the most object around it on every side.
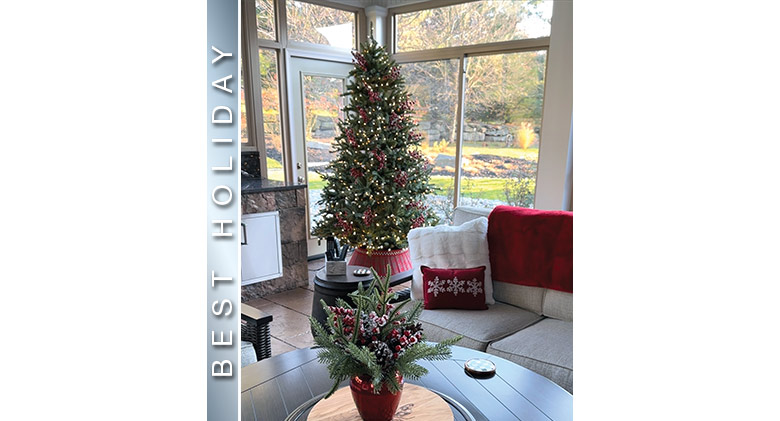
(375, 190)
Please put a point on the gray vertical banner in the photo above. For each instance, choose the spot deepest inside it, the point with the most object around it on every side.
(223, 274)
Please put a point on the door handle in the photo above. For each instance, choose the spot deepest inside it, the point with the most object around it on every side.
(243, 232)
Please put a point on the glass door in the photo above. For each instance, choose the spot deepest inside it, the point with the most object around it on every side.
(316, 102)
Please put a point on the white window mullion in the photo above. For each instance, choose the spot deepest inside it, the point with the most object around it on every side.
(459, 128)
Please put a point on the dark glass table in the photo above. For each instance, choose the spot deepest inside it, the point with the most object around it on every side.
(330, 287)
(277, 387)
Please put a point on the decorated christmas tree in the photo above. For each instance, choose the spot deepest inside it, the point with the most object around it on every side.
(375, 190)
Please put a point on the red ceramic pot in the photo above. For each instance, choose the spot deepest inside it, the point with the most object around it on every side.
(375, 406)
(399, 260)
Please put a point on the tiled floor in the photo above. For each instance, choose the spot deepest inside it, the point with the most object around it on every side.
(291, 310)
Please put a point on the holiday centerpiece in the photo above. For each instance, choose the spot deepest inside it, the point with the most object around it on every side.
(375, 189)
(375, 344)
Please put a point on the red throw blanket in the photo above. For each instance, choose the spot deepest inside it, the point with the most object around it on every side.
(531, 247)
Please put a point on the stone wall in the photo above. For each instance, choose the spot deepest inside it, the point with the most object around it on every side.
(291, 204)
(436, 130)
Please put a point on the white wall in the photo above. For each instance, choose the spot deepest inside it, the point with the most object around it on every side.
(556, 117)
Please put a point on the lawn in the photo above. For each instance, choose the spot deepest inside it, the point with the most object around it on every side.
(272, 163)
(275, 170)
(482, 188)
(315, 181)
(478, 188)
(478, 148)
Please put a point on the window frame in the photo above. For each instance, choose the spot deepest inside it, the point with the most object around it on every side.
(251, 43)
(461, 53)
(322, 47)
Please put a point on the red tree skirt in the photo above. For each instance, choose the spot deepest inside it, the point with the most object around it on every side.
(398, 260)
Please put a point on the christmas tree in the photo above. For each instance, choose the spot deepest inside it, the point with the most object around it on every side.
(375, 190)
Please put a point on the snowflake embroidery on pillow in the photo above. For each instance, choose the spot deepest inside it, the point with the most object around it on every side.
(474, 287)
(455, 286)
(436, 286)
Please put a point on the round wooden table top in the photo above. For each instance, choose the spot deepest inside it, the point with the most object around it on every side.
(287, 386)
(417, 403)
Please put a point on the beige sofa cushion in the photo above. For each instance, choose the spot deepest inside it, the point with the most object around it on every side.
(467, 213)
(529, 298)
(558, 305)
(545, 348)
(478, 327)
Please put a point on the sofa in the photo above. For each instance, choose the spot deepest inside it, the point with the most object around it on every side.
(530, 326)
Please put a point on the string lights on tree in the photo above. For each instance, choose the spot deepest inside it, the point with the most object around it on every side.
(375, 189)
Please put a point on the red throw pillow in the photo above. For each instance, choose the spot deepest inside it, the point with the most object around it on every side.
(454, 288)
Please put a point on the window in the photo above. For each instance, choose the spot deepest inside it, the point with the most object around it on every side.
(266, 19)
(244, 129)
(261, 108)
(322, 110)
(434, 85)
(316, 24)
(500, 141)
(272, 123)
(477, 22)
(480, 100)
(269, 28)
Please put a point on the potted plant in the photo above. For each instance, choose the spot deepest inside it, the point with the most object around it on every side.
(375, 344)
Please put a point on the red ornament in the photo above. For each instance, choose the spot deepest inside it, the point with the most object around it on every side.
(356, 172)
(407, 105)
(368, 216)
(395, 73)
(351, 137)
(418, 222)
(344, 225)
(363, 115)
(373, 96)
(401, 178)
(395, 120)
(359, 60)
(380, 157)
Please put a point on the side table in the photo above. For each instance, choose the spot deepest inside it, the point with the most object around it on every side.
(330, 287)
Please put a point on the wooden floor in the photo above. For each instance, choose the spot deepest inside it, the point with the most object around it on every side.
(291, 310)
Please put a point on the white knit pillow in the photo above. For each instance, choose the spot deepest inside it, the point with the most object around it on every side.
(450, 247)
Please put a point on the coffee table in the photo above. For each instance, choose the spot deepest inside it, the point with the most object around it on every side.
(330, 287)
(276, 387)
